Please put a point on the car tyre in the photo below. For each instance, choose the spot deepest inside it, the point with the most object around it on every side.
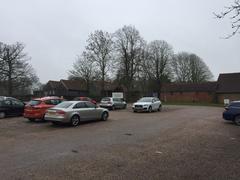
(56, 123)
(104, 116)
(31, 119)
(113, 107)
(2, 115)
(75, 120)
(150, 109)
(160, 108)
(237, 120)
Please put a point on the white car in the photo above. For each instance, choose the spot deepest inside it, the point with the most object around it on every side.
(147, 104)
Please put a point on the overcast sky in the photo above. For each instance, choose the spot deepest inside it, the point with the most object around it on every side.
(55, 31)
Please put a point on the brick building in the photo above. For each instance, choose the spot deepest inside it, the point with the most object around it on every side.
(189, 92)
(228, 87)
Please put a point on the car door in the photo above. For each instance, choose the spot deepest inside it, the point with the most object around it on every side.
(81, 109)
(92, 111)
(17, 107)
(157, 103)
(7, 107)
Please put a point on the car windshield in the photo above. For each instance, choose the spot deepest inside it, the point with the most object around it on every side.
(106, 99)
(145, 100)
(64, 105)
(34, 102)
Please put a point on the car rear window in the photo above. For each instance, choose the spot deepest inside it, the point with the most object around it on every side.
(34, 102)
(53, 101)
(64, 105)
(106, 99)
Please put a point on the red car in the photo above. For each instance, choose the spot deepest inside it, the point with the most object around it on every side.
(36, 108)
(85, 99)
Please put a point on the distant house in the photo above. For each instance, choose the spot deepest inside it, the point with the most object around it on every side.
(66, 88)
(228, 87)
(189, 92)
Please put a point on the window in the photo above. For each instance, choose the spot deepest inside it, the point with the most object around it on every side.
(7, 103)
(17, 103)
(90, 105)
(34, 102)
(64, 105)
(53, 101)
(79, 105)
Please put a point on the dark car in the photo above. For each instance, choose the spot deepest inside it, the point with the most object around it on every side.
(232, 112)
(10, 107)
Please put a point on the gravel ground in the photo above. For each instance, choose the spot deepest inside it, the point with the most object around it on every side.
(181, 142)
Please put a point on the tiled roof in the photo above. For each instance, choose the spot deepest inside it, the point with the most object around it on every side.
(189, 87)
(229, 83)
(54, 84)
(75, 85)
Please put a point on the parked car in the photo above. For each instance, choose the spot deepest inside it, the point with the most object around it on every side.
(147, 104)
(85, 99)
(74, 112)
(113, 103)
(232, 112)
(10, 106)
(36, 108)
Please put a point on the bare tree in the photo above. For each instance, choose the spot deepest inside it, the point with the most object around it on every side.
(129, 50)
(233, 12)
(83, 68)
(190, 68)
(157, 62)
(100, 46)
(14, 67)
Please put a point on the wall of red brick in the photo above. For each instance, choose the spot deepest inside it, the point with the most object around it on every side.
(204, 97)
(231, 97)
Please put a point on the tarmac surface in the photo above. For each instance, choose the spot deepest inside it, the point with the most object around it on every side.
(181, 142)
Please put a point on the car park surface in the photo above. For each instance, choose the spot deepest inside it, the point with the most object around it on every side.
(181, 142)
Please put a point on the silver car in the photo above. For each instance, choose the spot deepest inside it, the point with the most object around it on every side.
(147, 104)
(74, 112)
(113, 103)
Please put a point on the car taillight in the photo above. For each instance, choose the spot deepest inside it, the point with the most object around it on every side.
(60, 113)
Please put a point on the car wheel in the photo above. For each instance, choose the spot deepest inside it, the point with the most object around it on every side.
(160, 108)
(104, 116)
(134, 111)
(75, 120)
(125, 106)
(31, 119)
(56, 123)
(2, 115)
(150, 109)
(237, 120)
(113, 107)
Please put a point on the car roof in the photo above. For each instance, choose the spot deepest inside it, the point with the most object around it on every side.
(7, 98)
(235, 101)
(46, 98)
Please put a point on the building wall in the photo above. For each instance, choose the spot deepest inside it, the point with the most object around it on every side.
(231, 97)
(205, 97)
